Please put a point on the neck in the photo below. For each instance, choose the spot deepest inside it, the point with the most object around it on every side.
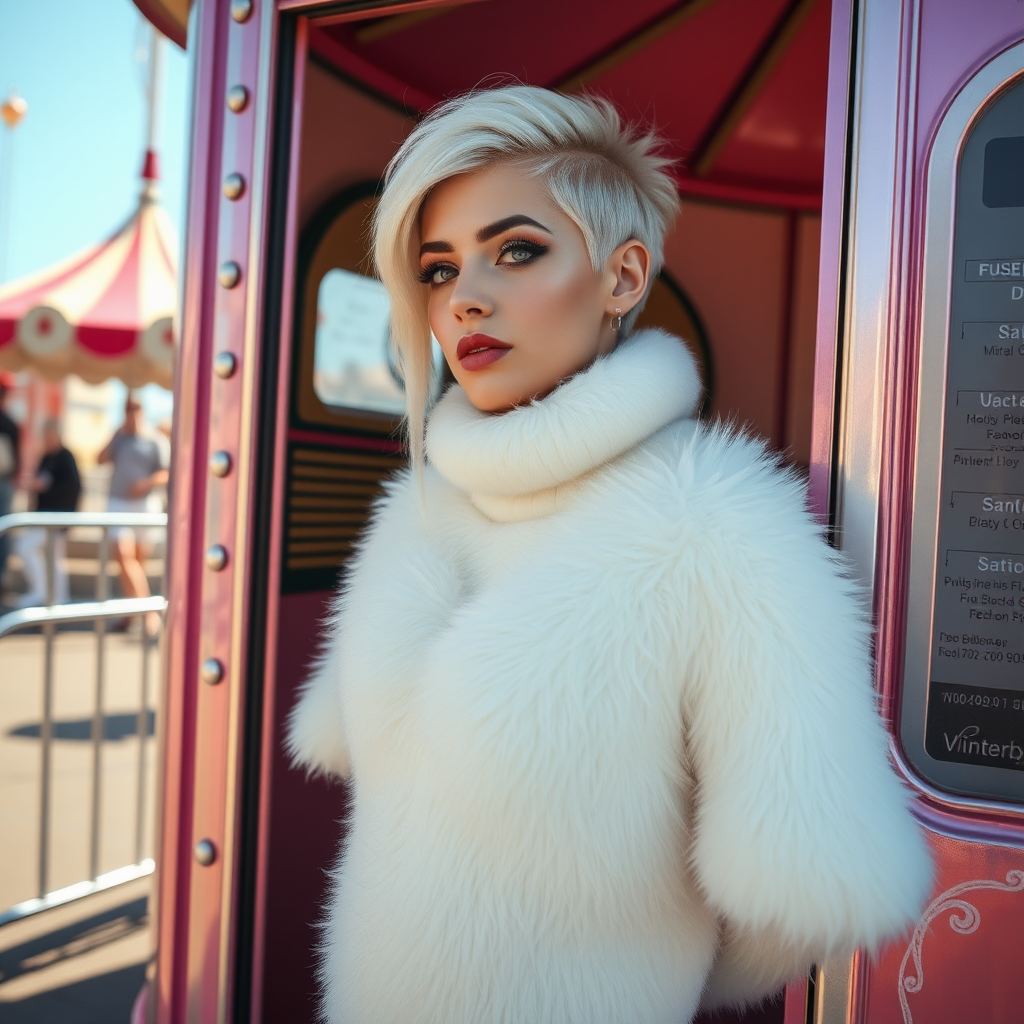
(529, 461)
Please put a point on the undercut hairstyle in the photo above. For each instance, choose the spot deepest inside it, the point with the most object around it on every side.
(605, 175)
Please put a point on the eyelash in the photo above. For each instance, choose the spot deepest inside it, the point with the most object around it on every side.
(535, 249)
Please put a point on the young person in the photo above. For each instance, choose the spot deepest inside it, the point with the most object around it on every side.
(141, 460)
(57, 487)
(9, 456)
(602, 689)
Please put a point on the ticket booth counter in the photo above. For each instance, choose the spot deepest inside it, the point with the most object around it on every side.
(847, 268)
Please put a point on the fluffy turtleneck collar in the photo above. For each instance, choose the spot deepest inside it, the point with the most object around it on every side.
(527, 462)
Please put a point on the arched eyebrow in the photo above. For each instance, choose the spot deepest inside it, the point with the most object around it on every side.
(487, 233)
(436, 247)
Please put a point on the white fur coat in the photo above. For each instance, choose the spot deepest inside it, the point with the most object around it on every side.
(604, 696)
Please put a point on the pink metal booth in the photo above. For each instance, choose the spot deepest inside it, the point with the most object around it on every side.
(849, 268)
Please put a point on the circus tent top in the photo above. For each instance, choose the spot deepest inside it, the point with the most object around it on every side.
(107, 311)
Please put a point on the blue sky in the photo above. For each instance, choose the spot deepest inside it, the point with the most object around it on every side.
(78, 152)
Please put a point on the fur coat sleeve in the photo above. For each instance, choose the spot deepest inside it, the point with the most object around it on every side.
(804, 843)
(399, 578)
(315, 737)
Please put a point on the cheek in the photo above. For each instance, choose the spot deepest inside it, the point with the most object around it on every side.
(560, 297)
(435, 310)
(443, 325)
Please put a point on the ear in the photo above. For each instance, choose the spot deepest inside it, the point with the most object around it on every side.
(630, 267)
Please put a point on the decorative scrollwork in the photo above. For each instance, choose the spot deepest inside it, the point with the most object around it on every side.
(964, 920)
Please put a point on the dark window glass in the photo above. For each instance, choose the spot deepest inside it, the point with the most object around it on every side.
(1004, 172)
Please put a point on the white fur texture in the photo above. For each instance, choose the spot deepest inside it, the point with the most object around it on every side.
(315, 738)
(594, 750)
(617, 402)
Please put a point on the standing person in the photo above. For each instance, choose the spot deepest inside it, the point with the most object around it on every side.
(57, 487)
(140, 459)
(8, 462)
(602, 688)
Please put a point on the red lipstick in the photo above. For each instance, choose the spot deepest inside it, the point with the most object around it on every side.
(475, 351)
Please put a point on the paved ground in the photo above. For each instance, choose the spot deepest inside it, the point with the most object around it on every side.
(21, 671)
(83, 963)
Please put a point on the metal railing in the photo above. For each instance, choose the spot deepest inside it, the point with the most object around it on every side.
(99, 612)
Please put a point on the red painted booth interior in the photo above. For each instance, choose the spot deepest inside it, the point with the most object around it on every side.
(737, 88)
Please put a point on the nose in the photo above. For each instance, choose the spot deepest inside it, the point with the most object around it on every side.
(469, 298)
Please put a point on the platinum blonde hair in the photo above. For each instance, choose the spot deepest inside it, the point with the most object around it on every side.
(605, 175)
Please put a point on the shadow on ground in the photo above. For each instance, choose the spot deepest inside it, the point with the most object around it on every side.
(105, 999)
(101, 999)
(115, 727)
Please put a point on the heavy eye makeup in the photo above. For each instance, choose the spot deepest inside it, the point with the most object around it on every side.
(513, 252)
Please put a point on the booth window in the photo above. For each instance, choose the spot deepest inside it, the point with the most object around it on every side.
(345, 374)
(352, 366)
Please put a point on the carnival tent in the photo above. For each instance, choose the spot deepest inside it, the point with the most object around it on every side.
(105, 312)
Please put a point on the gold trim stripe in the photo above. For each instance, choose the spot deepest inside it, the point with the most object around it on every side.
(339, 489)
(708, 152)
(634, 44)
(314, 547)
(340, 503)
(312, 562)
(384, 27)
(327, 517)
(353, 474)
(347, 532)
(355, 459)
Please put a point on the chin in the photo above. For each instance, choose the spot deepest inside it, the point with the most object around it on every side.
(492, 397)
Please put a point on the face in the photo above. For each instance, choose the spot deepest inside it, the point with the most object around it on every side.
(51, 440)
(131, 417)
(513, 298)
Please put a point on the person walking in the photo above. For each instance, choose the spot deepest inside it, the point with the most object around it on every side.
(140, 459)
(57, 487)
(8, 462)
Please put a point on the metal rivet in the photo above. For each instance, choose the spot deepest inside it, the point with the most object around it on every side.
(205, 852)
(224, 365)
(220, 463)
(211, 671)
(234, 186)
(216, 557)
(230, 274)
(240, 10)
(238, 98)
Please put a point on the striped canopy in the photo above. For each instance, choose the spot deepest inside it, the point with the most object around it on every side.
(105, 312)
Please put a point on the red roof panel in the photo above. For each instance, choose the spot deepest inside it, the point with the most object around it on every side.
(737, 90)
(782, 134)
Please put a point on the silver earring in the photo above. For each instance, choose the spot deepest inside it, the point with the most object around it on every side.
(617, 320)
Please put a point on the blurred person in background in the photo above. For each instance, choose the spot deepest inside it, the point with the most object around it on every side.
(8, 461)
(140, 458)
(57, 487)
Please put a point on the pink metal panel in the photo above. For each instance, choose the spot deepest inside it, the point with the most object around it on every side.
(960, 964)
(185, 539)
(831, 259)
(928, 94)
(281, 665)
(209, 609)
